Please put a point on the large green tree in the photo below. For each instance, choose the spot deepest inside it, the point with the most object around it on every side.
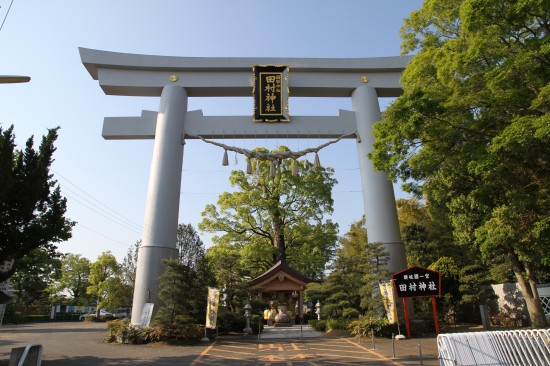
(274, 215)
(105, 282)
(75, 273)
(36, 272)
(32, 210)
(472, 129)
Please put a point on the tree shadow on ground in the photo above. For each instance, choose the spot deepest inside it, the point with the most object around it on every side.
(96, 361)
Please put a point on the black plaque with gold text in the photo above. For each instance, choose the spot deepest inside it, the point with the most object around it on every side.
(271, 93)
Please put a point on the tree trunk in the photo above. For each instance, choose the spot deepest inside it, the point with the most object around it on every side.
(528, 287)
(279, 238)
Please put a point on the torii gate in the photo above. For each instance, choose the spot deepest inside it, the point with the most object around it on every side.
(175, 79)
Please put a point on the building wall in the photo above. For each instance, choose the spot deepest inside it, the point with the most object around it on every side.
(510, 300)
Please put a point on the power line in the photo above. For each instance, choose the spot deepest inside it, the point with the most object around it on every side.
(5, 16)
(114, 215)
(103, 235)
(113, 219)
(100, 208)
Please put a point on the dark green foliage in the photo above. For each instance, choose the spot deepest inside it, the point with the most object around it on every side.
(471, 129)
(37, 270)
(190, 246)
(183, 330)
(421, 251)
(120, 331)
(367, 325)
(32, 210)
(319, 325)
(334, 324)
(231, 322)
(182, 292)
(352, 287)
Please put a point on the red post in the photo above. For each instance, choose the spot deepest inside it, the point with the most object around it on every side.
(406, 309)
(436, 321)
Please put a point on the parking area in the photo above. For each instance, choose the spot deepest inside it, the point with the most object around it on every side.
(80, 343)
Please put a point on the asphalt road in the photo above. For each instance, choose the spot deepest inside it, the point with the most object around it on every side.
(81, 343)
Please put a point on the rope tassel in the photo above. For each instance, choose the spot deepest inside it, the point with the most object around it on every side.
(316, 163)
(248, 166)
(225, 161)
(294, 168)
(272, 170)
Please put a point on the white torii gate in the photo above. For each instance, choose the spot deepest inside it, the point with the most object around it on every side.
(175, 79)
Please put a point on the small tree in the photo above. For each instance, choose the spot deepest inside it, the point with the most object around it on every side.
(352, 286)
(190, 246)
(225, 262)
(104, 280)
(75, 273)
(177, 292)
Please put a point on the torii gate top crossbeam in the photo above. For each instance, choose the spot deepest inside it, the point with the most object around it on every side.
(146, 75)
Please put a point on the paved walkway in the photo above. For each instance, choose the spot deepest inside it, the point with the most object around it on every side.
(297, 331)
(80, 343)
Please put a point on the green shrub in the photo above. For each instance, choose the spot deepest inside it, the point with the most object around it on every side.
(333, 324)
(320, 325)
(121, 331)
(90, 318)
(13, 316)
(173, 332)
(350, 313)
(366, 325)
(36, 318)
(107, 318)
(230, 322)
(256, 322)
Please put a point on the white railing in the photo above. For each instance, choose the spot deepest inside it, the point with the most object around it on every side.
(30, 355)
(516, 347)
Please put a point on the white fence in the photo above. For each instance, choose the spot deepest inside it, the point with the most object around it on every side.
(517, 348)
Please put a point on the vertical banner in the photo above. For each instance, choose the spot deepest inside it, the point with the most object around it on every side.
(212, 307)
(386, 290)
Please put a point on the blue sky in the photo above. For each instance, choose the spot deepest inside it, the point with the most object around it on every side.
(105, 182)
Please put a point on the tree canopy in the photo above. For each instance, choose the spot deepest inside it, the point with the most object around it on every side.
(32, 210)
(105, 282)
(275, 215)
(472, 132)
(75, 272)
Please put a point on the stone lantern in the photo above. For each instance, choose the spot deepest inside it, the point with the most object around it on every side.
(318, 311)
(247, 316)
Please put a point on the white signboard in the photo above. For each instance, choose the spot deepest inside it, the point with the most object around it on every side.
(146, 314)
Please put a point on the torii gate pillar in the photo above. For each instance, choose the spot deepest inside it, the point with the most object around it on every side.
(378, 197)
(160, 224)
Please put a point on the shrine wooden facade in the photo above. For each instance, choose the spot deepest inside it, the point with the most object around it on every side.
(282, 286)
